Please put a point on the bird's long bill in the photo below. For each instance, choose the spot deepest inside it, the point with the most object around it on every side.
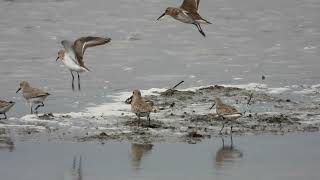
(57, 58)
(212, 105)
(18, 90)
(129, 100)
(161, 16)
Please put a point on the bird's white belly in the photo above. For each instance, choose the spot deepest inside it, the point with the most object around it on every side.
(182, 17)
(70, 64)
(37, 100)
(5, 109)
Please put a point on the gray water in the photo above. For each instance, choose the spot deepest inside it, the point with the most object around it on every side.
(248, 39)
(291, 157)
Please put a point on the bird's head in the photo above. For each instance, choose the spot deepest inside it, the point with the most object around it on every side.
(23, 84)
(168, 11)
(216, 100)
(60, 55)
(136, 94)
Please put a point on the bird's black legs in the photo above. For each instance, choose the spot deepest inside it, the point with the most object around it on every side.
(40, 105)
(221, 128)
(231, 140)
(200, 29)
(72, 80)
(31, 111)
(148, 117)
(78, 81)
(139, 121)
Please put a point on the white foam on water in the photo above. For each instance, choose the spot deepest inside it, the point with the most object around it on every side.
(278, 90)
(308, 90)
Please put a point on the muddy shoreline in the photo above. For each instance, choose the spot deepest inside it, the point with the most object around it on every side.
(179, 116)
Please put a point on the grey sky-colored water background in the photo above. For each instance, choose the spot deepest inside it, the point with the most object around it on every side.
(279, 39)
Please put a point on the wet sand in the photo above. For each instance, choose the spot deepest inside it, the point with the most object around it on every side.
(292, 157)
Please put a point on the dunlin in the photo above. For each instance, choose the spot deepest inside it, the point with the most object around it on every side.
(139, 106)
(227, 112)
(5, 107)
(72, 55)
(33, 95)
(187, 13)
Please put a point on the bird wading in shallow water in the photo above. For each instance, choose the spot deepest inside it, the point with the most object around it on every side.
(187, 13)
(72, 55)
(227, 112)
(33, 95)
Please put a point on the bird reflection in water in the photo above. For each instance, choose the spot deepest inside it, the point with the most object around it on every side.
(138, 151)
(6, 143)
(76, 172)
(227, 154)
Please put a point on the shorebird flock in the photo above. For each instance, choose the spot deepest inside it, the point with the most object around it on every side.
(72, 56)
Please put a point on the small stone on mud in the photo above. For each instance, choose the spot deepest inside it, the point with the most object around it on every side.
(195, 135)
(103, 134)
(47, 116)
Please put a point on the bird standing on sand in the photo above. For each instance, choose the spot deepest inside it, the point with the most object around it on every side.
(139, 106)
(187, 13)
(33, 95)
(227, 112)
(5, 107)
(72, 55)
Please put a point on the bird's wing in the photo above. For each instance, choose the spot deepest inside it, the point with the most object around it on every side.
(81, 44)
(4, 104)
(148, 101)
(35, 92)
(190, 5)
(141, 107)
(69, 49)
(67, 46)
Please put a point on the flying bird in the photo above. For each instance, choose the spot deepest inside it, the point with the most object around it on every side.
(187, 13)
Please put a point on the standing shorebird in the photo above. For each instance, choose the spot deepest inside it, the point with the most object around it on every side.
(187, 13)
(139, 106)
(227, 112)
(33, 95)
(5, 107)
(72, 55)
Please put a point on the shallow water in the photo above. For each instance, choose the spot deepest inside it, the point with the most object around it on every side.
(248, 38)
(293, 157)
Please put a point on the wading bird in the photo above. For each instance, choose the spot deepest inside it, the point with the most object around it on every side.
(72, 55)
